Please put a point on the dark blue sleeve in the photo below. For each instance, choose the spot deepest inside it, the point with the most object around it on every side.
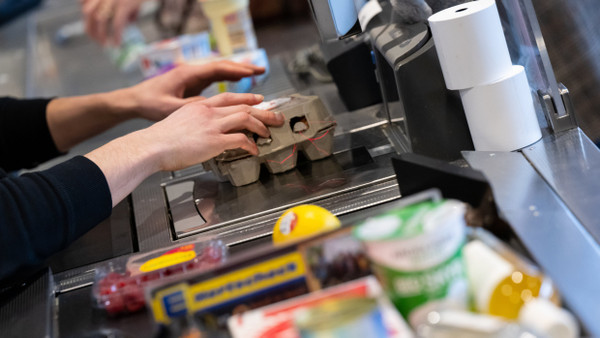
(25, 140)
(42, 212)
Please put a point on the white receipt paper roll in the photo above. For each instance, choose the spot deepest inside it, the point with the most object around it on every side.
(501, 115)
(470, 44)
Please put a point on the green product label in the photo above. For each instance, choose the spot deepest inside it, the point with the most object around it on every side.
(411, 289)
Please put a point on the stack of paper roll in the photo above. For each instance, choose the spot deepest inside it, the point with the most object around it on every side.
(474, 57)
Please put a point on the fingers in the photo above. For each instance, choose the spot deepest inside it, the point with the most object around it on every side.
(104, 18)
(98, 14)
(265, 116)
(120, 20)
(239, 140)
(230, 99)
(233, 71)
(243, 121)
(89, 11)
(196, 78)
(221, 71)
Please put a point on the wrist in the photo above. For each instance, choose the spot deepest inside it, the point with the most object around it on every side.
(127, 161)
(123, 103)
(148, 149)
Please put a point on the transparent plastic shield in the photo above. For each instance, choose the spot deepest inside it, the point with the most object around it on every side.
(527, 48)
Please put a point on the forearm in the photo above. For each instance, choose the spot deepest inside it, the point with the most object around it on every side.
(72, 120)
(25, 140)
(42, 212)
(126, 162)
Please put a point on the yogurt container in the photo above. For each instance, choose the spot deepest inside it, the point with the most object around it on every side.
(416, 252)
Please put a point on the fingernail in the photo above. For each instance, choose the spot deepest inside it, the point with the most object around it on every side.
(258, 97)
(278, 115)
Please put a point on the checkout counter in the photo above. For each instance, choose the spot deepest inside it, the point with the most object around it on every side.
(547, 192)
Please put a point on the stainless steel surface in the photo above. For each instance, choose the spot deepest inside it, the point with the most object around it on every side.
(567, 102)
(527, 48)
(150, 214)
(571, 31)
(339, 204)
(75, 279)
(548, 229)
(111, 238)
(349, 180)
(28, 309)
(78, 318)
(570, 163)
(182, 207)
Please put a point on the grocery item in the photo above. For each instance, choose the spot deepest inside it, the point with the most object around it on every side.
(334, 258)
(416, 252)
(500, 288)
(119, 286)
(303, 221)
(548, 319)
(231, 25)
(251, 284)
(347, 317)
(506, 285)
(464, 324)
(308, 128)
(358, 305)
(163, 55)
(258, 278)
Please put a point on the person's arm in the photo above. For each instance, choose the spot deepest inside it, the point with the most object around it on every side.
(193, 134)
(25, 140)
(74, 119)
(42, 212)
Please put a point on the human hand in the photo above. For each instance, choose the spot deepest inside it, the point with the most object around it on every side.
(105, 20)
(194, 133)
(202, 130)
(156, 98)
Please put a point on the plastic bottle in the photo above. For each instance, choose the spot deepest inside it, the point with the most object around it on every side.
(500, 288)
(548, 319)
(231, 25)
(456, 323)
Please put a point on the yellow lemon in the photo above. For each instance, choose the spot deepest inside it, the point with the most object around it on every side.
(303, 221)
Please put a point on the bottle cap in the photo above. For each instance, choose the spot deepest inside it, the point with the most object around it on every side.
(485, 270)
(548, 319)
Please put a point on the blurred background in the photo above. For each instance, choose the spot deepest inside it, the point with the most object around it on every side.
(28, 46)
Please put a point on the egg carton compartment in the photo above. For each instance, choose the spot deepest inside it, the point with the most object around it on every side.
(308, 128)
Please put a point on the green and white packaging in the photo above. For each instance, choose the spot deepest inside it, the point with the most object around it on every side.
(416, 252)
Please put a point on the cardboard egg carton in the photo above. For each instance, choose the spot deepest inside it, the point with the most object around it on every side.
(308, 128)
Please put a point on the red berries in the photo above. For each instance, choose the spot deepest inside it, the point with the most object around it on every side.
(124, 293)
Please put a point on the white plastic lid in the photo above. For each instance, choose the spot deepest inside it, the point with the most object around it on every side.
(548, 319)
(485, 270)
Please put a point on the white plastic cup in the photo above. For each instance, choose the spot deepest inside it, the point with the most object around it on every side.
(231, 25)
